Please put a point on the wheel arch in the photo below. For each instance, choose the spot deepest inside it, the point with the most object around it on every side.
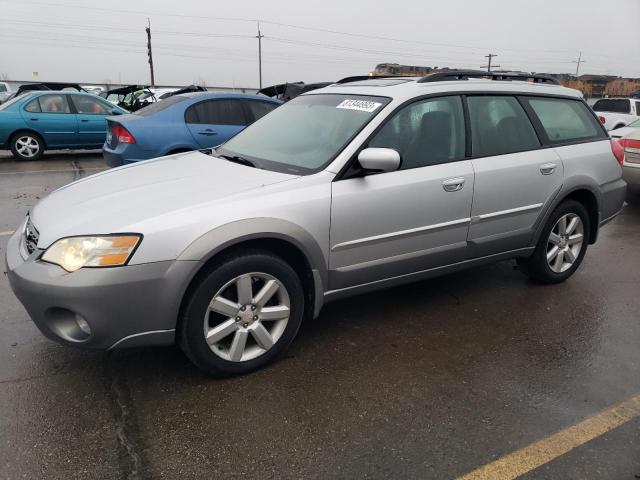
(585, 194)
(28, 130)
(284, 239)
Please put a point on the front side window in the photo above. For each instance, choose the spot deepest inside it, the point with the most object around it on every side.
(90, 106)
(614, 105)
(305, 134)
(427, 132)
(216, 112)
(499, 125)
(638, 108)
(565, 120)
(54, 104)
(33, 106)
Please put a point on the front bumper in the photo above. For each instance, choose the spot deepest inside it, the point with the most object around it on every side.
(125, 306)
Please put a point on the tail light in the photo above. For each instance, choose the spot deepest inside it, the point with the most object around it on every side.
(602, 119)
(628, 143)
(122, 134)
(618, 151)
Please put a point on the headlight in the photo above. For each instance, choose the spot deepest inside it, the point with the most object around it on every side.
(76, 252)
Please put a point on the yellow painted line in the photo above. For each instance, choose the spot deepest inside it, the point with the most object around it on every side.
(543, 451)
(4, 234)
(18, 172)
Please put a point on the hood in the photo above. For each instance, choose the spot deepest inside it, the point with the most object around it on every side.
(118, 200)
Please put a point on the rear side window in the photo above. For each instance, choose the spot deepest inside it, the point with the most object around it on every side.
(87, 105)
(638, 108)
(499, 125)
(260, 109)
(615, 105)
(565, 120)
(216, 112)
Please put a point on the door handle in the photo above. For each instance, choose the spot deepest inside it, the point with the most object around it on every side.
(207, 132)
(453, 184)
(548, 168)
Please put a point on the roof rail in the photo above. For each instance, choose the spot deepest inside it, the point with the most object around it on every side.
(359, 78)
(504, 76)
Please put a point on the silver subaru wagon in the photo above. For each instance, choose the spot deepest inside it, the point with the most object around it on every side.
(358, 186)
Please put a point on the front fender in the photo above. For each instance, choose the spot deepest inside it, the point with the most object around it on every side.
(213, 242)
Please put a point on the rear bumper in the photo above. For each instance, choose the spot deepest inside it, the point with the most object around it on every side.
(631, 174)
(125, 154)
(123, 306)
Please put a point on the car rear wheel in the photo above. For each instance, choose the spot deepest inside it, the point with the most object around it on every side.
(562, 245)
(27, 146)
(242, 313)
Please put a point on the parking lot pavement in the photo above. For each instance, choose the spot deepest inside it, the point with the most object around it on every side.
(431, 380)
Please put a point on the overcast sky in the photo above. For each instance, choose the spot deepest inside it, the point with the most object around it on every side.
(213, 42)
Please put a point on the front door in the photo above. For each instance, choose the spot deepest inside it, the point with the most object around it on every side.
(397, 223)
(515, 178)
(51, 116)
(91, 114)
(213, 122)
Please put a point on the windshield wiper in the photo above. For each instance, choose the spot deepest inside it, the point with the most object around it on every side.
(239, 159)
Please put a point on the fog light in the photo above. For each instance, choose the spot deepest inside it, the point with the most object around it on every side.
(84, 326)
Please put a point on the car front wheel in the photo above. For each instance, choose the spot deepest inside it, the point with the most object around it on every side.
(241, 314)
(27, 146)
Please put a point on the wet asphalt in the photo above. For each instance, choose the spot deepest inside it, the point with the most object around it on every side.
(429, 380)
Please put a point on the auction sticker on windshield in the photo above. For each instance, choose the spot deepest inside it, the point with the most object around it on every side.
(361, 105)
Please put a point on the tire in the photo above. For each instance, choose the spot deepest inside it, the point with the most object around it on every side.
(557, 258)
(26, 146)
(215, 310)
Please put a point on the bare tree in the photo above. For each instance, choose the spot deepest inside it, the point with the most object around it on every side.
(4, 76)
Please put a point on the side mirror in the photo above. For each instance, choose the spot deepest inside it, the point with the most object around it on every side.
(115, 111)
(379, 159)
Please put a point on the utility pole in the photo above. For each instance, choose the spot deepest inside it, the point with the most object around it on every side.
(259, 37)
(149, 52)
(578, 62)
(488, 66)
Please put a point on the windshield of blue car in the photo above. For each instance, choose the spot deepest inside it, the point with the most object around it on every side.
(305, 134)
(8, 103)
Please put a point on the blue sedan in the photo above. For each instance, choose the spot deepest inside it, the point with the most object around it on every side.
(181, 123)
(37, 121)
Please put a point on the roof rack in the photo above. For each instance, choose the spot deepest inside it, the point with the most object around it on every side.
(359, 78)
(504, 76)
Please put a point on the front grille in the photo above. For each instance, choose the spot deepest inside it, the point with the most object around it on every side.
(30, 236)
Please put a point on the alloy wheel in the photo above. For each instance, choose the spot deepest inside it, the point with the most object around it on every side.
(246, 317)
(27, 146)
(565, 243)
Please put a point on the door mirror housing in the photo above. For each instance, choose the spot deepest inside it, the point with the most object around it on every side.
(115, 111)
(379, 159)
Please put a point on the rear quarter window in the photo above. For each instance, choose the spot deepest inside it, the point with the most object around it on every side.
(565, 120)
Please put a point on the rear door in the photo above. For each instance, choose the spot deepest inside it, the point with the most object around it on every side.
(52, 117)
(91, 114)
(212, 122)
(514, 178)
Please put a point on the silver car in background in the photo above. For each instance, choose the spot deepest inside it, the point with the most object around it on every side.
(355, 187)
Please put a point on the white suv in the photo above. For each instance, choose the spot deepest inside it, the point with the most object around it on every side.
(347, 189)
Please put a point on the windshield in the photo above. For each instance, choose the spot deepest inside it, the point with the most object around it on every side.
(305, 134)
(8, 103)
(618, 105)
